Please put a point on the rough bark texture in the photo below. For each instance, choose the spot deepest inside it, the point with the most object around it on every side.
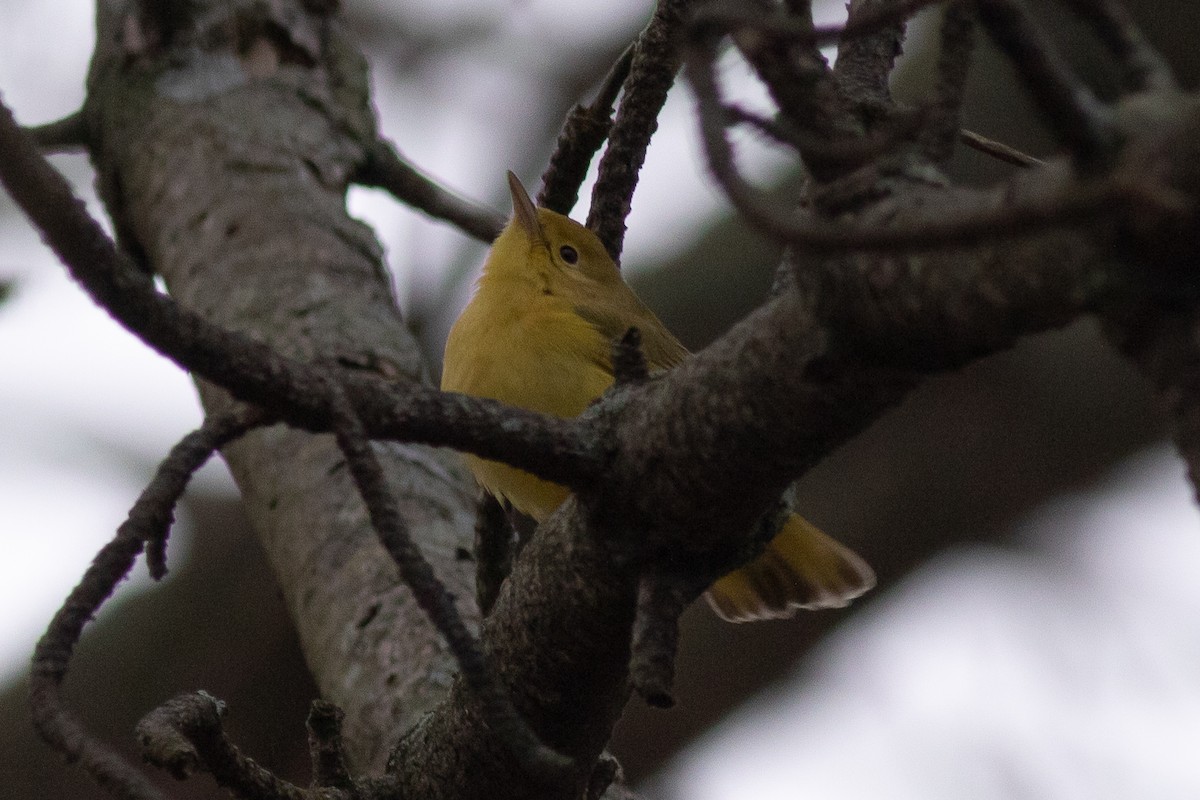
(233, 188)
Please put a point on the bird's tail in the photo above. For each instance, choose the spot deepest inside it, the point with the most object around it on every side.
(800, 568)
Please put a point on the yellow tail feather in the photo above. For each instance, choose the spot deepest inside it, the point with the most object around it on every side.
(800, 568)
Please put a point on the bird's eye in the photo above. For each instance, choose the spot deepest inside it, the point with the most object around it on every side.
(569, 254)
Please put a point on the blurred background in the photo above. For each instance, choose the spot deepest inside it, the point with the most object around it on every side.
(1036, 633)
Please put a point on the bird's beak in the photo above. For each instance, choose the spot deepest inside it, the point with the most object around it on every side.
(524, 210)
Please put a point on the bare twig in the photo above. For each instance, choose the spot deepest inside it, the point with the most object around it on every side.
(66, 135)
(494, 548)
(998, 150)
(326, 748)
(1067, 106)
(957, 40)
(865, 60)
(1142, 67)
(433, 598)
(661, 600)
(800, 82)
(584, 130)
(185, 735)
(844, 153)
(385, 169)
(1107, 197)
(656, 59)
(146, 527)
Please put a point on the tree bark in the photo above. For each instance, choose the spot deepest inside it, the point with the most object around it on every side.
(228, 172)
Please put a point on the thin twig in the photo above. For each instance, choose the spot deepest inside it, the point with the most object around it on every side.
(1142, 67)
(583, 132)
(185, 735)
(1083, 202)
(66, 135)
(494, 548)
(385, 169)
(998, 150)
(1066, 104)
(433, 598)
(801, 85)
(957, 43)
(662, 599)
(844, 153)
(148, 522)
(656, 59)
(326, 748)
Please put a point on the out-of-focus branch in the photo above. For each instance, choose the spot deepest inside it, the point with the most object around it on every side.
(1143, 68)
(957, 40)
(1066, 104)
(69, 134)
(1062, 201)
(385, 169)
(865, 60)
(998, 150)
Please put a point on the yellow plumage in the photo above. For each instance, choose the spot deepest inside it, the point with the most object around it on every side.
(538, 334)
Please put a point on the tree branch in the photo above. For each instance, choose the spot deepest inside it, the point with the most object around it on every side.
(956, 45)
(585, 129)
(656, 59)
(65, 135)
(146, 528)
(1067, 106)
(385, 169)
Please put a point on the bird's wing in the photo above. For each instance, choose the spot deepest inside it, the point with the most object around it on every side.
(661, 349)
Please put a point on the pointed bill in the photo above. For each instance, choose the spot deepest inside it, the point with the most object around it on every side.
(524, 210)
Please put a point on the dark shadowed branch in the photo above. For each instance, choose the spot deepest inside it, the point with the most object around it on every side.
(494, 550)
(1066, 104)
(185, 735)
(325, 746)
(65, 135)
(146, 528)
(1143, 68)
(385, 169)
(437, 603)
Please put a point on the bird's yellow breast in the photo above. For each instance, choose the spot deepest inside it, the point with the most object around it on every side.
(530, 350)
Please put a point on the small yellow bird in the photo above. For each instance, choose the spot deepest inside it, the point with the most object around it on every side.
(538, 334)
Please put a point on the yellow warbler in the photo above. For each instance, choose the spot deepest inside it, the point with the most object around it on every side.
(538, 334)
